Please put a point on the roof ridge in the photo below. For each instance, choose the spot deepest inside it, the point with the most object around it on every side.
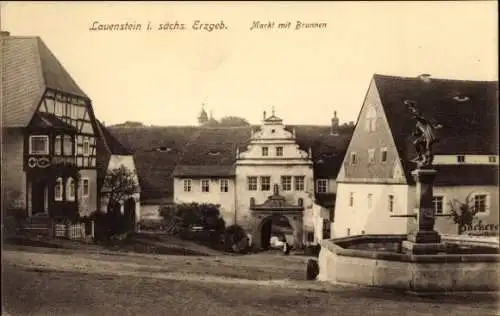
(433, 79)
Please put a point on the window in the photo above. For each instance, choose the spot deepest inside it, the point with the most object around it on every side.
(252, 183)
(461, 158)
(383, 154)
(265, 183)
(86, 146)
(370, 200)
(39, 145)
(371, 117)
(58, 145)
(480, 203)
(85, 187)
(187, 185)
(70, 189)
(286, 183)
(58, 190)
(391, 203)
(438, 204)
(224, 185)
(205, 185)
(371, 155)
(59, 108)
(492, 159)
(322, 186)
(68, 145)
(351, 199)
(279, 151)
(353, 158)
(299, 183)
(265, 151)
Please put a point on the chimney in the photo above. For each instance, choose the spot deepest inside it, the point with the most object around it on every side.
(335, 124)
(264, 115)
(425, 78)
(4, 33)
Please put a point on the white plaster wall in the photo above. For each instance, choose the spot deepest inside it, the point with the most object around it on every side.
(318, 215)
(243, 195)
(445, 225)
(226, 200)
(374, 220)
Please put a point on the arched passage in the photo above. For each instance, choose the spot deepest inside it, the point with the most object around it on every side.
(277, 227)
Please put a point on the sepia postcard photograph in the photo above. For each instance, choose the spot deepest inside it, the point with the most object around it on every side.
(249, 158)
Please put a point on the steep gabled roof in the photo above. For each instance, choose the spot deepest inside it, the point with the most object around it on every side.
(28, 69)
(156, 152)
(467, 111)
(112, 144)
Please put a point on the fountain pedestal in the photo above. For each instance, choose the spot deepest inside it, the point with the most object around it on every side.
(424, 239)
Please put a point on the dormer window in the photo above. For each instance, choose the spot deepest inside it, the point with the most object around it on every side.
(164, 149)
(460, 98)
(39, 145)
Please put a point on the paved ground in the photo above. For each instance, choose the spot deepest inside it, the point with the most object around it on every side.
(42, 281)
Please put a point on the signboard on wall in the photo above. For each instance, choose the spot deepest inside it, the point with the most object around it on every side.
(481, 228)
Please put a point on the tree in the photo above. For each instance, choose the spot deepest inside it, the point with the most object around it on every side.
(463, 213)
(119, 183)
(233, 121)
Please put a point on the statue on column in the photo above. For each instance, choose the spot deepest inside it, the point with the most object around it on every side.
(425, 136)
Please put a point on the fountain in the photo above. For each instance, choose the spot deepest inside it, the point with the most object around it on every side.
(421, 261)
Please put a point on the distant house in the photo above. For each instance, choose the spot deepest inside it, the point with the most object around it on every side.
(111, 155)
(49, 133)
(156, 153)
(375, 179)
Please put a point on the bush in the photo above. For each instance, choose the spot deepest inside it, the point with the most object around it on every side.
(312, 269)
(235, 238)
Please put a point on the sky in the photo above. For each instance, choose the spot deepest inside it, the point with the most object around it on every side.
(162, 77)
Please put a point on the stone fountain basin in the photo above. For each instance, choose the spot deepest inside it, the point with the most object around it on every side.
(377, 260)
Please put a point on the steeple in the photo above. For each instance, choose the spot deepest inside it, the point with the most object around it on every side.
(335, 124)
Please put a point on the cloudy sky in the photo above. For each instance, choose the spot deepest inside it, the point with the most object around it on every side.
(162, 77)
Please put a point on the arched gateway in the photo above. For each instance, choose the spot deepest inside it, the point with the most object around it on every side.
(275, 207)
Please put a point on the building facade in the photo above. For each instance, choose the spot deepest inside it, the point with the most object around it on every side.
(49, 134)
(265, 173)
(375, 179)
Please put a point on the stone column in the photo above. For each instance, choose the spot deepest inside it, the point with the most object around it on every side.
(424, 239)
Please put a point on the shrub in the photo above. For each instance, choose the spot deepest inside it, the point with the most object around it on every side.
(235, 238)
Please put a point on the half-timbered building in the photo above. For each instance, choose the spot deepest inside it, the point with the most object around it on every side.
(48, 134)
